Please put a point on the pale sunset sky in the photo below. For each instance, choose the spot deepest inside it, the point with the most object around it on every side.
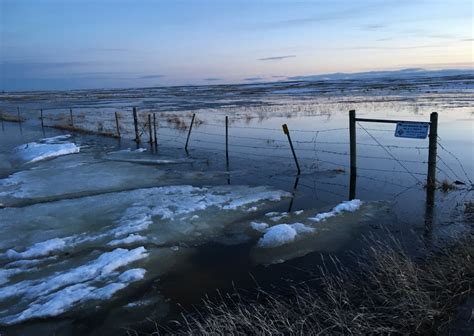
(69, 44)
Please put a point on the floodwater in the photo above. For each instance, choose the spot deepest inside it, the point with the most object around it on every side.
(99, 235)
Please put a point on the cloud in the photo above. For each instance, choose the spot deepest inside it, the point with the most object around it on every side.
(441, 36)
(343, 13)
(398, 47)
(468, 40)
(49, 65)
(276, 58)
(212, 79)
(150, 77)
(375, 26)
(252, 79)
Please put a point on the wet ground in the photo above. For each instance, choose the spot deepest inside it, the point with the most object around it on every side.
(97, 236)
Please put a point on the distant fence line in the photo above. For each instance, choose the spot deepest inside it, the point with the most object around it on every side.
(145, 126)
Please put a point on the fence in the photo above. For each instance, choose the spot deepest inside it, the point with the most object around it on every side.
(308, 147)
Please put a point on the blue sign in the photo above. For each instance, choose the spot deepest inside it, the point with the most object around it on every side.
(413, 130)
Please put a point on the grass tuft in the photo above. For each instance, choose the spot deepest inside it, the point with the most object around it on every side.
(390, 294)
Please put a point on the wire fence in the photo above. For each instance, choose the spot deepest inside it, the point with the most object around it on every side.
(315, 148)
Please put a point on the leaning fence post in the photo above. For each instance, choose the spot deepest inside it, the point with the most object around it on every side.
(189, 132)
(117, 126)
(150, 133)
(433, 138)
(18, 112)
(70, 117)
(135, 122)
(41, 117)
(227, 139)
(352, 136)
(287, 132)
(154, 128)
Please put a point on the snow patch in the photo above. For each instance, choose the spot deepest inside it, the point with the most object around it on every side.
(99, 268)
(259, 226)
(46, 149)
(68, 297)
(39, 249)
(130, 239)
(282, 234)
(346, 206)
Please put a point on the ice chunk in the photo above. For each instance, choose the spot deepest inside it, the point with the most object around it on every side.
(56, 304)
(102, 266)
(259, 226)
(130, 239)
(66, 298)
(164, 215)
(56, 181)
(6, 274)
(301, 228)
(39, 249)
(45, 149)
(346, 206)
(132, 275)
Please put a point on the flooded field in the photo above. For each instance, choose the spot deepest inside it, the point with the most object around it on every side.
(100, 235)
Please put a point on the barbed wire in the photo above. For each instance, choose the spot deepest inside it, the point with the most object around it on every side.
(273, 144)
(390, 153)
(456, 158)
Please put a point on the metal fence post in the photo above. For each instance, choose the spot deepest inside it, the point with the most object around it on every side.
(352, 136)
(433, 138)
(227, 139)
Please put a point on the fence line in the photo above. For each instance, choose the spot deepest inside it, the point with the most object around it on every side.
(275, 146)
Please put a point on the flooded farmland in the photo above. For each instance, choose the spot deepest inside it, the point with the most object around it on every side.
(100, 234)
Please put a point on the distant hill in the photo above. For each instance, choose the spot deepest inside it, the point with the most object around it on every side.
(396, 74)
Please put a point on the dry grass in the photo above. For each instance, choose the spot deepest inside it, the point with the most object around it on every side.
(10, 117)
(447, 186)
(180, 123)
(390, 295)
(84, 131)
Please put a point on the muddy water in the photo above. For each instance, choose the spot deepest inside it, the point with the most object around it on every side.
(97, 241)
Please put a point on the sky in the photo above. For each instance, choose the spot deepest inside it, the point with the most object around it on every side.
(79, 44)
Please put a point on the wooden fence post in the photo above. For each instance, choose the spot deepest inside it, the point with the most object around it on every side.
(287, 132)
(150, 129)
(433, 138)
(352, 136)
(189, 132)
(227, 139)
(70, 117)
(18, 112)
(41, 117)
(154, 129)
(117, 126)
(135, 122)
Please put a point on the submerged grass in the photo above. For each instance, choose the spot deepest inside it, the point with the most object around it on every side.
(84, 131)
(389, 294)
(10, 117)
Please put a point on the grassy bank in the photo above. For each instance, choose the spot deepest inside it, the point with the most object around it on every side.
(388, 294)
